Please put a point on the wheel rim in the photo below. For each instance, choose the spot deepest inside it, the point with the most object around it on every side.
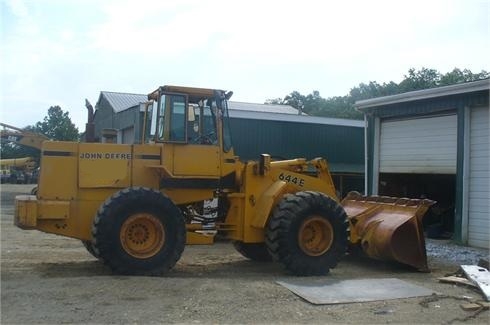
(315, 236)
(142, 235)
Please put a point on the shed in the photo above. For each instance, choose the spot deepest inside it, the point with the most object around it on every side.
(434, 143)
(121, 112)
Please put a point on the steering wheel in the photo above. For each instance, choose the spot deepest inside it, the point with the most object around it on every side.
(205, 138)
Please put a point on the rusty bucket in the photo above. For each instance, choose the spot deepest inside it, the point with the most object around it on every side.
(388, 228)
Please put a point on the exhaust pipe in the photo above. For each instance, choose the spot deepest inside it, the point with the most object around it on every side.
(89, 126)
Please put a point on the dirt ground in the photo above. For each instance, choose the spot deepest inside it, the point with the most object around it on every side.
(51, 280)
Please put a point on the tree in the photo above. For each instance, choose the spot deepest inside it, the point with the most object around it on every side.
(458, 76)
(422, 79)
(57, 125)
(430, 78)
(340, 107)
(294, 99)
(315, 105)
(343, 106)
(372, 89)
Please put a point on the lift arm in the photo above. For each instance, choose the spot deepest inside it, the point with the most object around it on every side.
(22, 137)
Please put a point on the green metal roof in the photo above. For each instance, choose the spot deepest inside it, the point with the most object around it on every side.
(428, 100)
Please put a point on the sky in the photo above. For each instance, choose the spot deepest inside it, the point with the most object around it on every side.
(59, 52)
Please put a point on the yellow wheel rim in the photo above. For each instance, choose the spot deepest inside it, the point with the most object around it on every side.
(315, 236)
(142, 235)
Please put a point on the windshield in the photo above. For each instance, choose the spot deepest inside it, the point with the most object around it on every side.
(193, 120)
(202, 129)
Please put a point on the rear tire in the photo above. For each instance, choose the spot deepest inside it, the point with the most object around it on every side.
(139, 231)
(307, 233)
(254, 251)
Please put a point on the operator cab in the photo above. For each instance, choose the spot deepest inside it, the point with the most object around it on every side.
(189, 116)
(192, 125)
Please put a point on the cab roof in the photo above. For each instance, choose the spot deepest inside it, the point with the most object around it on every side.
(195, 94)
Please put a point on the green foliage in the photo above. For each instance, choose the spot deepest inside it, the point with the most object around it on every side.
(343, 106)
(295, 99)
(373, 89)
(458, 76)
(422, 79)
(56, 125)
(10, 150)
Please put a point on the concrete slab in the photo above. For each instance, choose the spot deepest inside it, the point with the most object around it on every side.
(328, 291)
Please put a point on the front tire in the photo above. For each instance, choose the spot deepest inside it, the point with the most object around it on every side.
(139, 231)
(307, 233)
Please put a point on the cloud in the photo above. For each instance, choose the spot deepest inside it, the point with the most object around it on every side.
(61, 52)
(161, 28)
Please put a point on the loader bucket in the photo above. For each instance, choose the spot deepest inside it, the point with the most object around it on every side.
(388, 228)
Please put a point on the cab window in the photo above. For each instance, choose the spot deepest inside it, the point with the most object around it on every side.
(172, 128)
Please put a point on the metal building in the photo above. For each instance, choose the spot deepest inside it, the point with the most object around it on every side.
(256, 129)
(434, 143)
(119, 112)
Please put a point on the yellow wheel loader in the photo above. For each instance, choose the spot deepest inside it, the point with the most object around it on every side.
(17, 170)
(136, 206)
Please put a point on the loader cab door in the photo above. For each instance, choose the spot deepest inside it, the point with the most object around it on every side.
(189, 133)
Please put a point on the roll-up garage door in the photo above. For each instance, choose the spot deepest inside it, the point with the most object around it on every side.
(479, 179)
(421, 145)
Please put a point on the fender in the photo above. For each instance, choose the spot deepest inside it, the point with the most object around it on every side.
(268, 200)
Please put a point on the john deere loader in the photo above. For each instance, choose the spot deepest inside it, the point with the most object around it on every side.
(135, 207)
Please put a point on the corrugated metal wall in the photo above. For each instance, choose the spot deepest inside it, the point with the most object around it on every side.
(104, 117)
(129, 118)
(342, 146)
(479, 192)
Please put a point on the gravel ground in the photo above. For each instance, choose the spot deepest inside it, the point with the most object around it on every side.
(48, 279)
(446, 252)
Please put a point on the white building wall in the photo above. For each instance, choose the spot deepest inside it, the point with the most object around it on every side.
(479, 179)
